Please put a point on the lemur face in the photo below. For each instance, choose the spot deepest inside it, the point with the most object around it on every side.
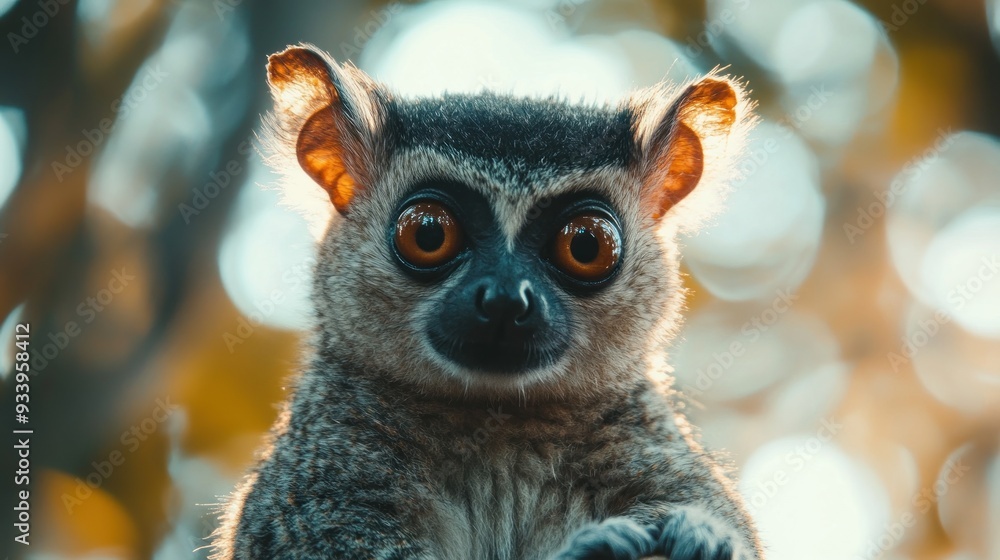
(485, 226)
(490, 244)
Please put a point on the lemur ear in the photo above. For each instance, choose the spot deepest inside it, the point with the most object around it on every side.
(675, 140)
(332, 114)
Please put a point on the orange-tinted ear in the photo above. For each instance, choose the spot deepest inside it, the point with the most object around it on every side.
(673, 141)
(332, 114)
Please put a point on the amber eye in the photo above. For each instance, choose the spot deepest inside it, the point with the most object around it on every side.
(427, 235)
(588, 248)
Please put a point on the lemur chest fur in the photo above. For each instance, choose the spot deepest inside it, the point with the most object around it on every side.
(517, 502)
(507, 507)
(517, 486)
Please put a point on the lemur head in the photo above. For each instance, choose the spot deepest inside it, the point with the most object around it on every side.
(484, 245)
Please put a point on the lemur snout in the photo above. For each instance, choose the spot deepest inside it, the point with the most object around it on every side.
(499, 323)
(506, 303)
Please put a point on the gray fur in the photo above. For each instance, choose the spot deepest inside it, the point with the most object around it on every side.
(387, 450)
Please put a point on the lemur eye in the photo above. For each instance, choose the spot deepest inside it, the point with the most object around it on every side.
(588, 248)
(427, 235)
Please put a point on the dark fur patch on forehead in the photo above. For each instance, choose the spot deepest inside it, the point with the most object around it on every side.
(528, 136)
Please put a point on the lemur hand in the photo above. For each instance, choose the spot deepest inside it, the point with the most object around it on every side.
(617, 538)
(686, 534)
(690, 533)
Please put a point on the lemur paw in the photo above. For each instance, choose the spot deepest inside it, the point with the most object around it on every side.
(692, 534)
(617, 538)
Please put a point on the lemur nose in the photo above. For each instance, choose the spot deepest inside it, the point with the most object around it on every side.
(501, 302)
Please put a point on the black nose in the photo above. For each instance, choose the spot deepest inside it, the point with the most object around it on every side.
(500, 322)
(505, 303)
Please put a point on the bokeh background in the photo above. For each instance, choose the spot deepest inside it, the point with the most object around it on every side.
(843, 340)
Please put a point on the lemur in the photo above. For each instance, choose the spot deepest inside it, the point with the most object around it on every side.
(486, 378)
